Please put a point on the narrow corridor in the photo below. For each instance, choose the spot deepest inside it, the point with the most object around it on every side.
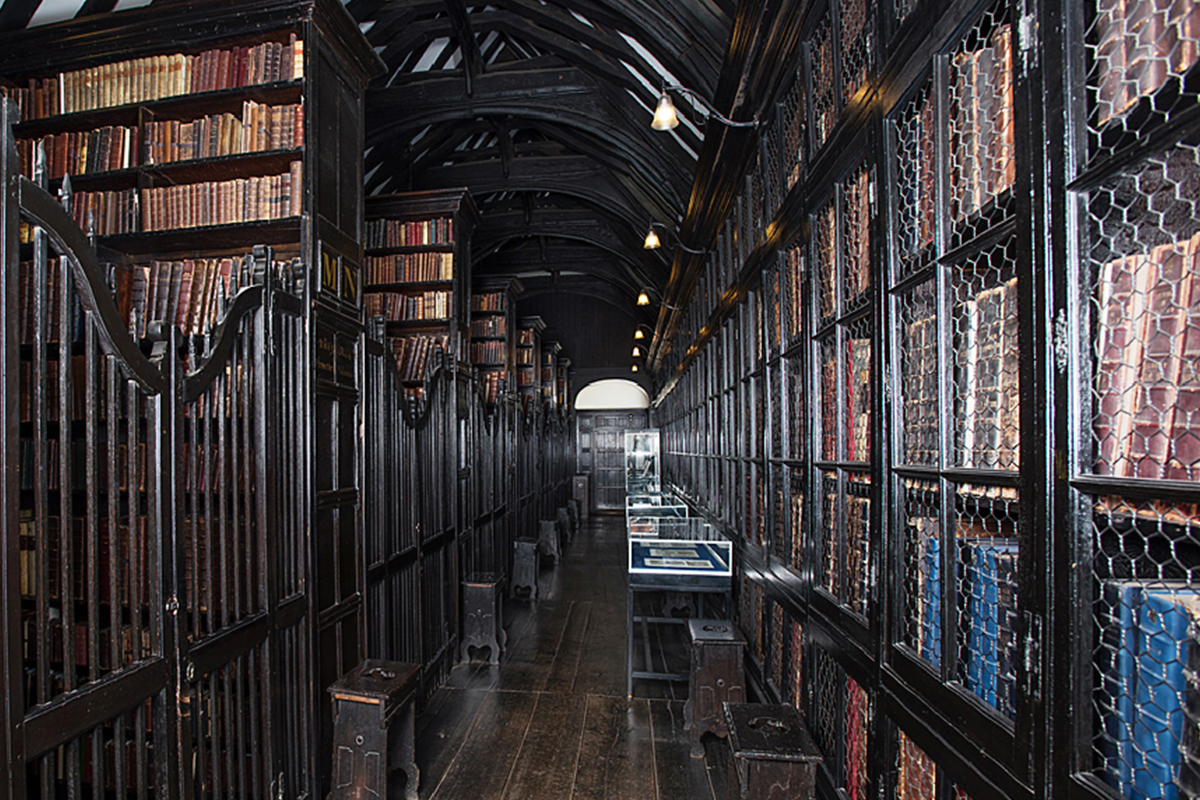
(551, 722)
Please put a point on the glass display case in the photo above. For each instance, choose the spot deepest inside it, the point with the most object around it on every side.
(641, 462)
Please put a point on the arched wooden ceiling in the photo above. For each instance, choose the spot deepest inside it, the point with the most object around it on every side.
(542, 108)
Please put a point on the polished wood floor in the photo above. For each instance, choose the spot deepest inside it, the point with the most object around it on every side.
(552, 721)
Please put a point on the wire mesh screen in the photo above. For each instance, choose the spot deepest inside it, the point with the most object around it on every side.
(856, 245)
(922, 584)
(916, 180)
(829, 566)
(858, 541)
(779, 514)
(987, 359)
(823, 81)
(825, 259)
(1146, 306)
(795, 555)
(919, 393)
(794, 285)
(916, 774)
(794, 692)
(982, 163)
(987, 593)
(827, 715)
(856, 18)
(827, 349)
(791, 131)
(1147, 645)
(1141, 67)
(856, 399)
(797, 392)
(779, 642)
(858, 721)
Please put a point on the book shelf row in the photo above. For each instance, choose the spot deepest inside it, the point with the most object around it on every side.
(410, 268)
(156, 77)
(384, 233)
(261, 127)
(403, 307)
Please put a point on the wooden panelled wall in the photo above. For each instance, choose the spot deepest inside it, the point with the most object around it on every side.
(940, 383)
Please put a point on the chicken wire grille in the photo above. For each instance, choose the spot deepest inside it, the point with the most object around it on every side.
(791, 133)
(1141, 59)
(922, 584)
(857, 28)
(916, 181)
(919, 393)
(827, 349)
(857, 515)
(985, 327)
(825, 258)
(982, 156)
(829, 689)
(856, 245)
(986, 578)
(1146, 646)
(822, 81)
(829, 566)
(856, 400)
(1145, 303)
(916, 774)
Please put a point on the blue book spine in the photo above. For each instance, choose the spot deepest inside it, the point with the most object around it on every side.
(1118, 638)
(990, 562)
(931, 593)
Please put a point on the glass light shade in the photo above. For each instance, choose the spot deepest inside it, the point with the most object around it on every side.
(664, 115)
(633, 368)
(651, 242)
(638, 334)
(637, 351)
(643, 299)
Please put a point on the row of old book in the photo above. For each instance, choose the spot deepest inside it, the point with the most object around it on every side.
(397, 307)
(410, 268)
(1139, 45)
(489, 352)
(381, 233)
(229, 202)
(1146, 419)
(982, 154)
(260, 127)
(986, 383)
(152, 78)
(491, 301)
(494, 382)
(489, 326)
(412, 353)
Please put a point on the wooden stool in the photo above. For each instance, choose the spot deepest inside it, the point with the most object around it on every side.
(525, 566)
(548, 540)
(717, 676)
(771, 755)
(483, 615)
(373, 731)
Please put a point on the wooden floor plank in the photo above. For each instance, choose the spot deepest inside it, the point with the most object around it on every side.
(616, 753)
(680, 777)
(528, 663)
(545, 767)
(441, 730)
(482, 765)
(570, 649)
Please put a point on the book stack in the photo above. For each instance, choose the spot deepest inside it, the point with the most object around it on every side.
(492, 301)
(917, 178)
(155, 77)
(990, 582)
(412, 354)
(988, 378)
(826, 240)
(496, 326)
(494, 384)
(397, 233)
(981, 114)
(396, 306)
(1147, 661)
(223, 202)
(1147, 415)
(1139, 45)
(858, 235)
(919, 380)
(858, 560)
(106, 213)
(82, 152)
(858, 717)
(858, 400)
(410, 268)
(488, 352)
(260, 127)
(916, 774)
